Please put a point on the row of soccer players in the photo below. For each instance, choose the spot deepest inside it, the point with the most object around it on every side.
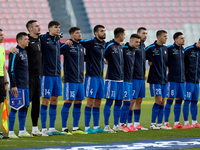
(122, 71)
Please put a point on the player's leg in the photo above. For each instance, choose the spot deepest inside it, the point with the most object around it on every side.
(130, 113)
(12, 115)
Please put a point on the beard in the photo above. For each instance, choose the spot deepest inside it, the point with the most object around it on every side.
(102, 37)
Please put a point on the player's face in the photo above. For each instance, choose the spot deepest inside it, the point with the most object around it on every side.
(23, 42)
(1, 36)
(101, 34)
(134, 42)
(35, 28)
(180, 40)
(54, 30)
(163, 38)
(143, 35)
(122, 37)
(77, 35)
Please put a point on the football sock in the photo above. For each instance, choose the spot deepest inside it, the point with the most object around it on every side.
(177, 110)
(76, 114)
(186, 110)
(22, 117)
(130, 116)
(106, 111)
(43, 115)
(124, 112)
(96, 113)
(117, 111)
(52, 115)
(194, 110)
(160, 114)
(12, 119)
(65, 114)
(87, 116)
(168, 109)
(155, 110)
(136, 117)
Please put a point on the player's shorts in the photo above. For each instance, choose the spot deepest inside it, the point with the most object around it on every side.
(138, 87)
(73, 91)
(114, 90)
(176, 90)
(127, 90)
(94, 87)
(50, 86)
(192, 91)
(34, 88)
(26, 96)
(158, 90)
(2, 89)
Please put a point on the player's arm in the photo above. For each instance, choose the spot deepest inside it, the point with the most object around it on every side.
(148, 54)
(63, 49)
(87, 43)
(5, 79)
(13, 50)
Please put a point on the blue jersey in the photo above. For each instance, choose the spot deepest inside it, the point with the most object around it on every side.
(158, 55)
(50, 55)
(114, 56)
(95, 51)
(129, 58)
(73, 62)
(140, 62)
(176, 63)
(192, 64)
(18, 69)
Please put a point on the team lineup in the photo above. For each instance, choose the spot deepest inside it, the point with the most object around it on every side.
(35, 69)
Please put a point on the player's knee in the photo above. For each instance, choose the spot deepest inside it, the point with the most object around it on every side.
(77, 102)
(97, 103)
(90, 102)
(139, 101)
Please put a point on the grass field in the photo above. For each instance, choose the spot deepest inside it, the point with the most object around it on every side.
(98, 138)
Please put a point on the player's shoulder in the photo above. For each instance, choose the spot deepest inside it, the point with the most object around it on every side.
(87, 40)
(150, 46)
(108, 44)
(189, 48)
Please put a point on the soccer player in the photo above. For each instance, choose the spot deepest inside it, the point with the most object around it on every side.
(129, 59)
(19, 79)
(3, 76)
(114, 86)
(138, 82)
(73, 80)
(51, 85)
(192, 68)
(176, 79)
(157, 56)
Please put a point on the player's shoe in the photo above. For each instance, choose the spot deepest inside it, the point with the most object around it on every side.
(66, 132)
(197, 125)
(118, 129)
(25, 134)
(2, 136)
(38, 133)
(125, 128)
(133, 128)
(163, 127)
(188, 126)
(90, 131)
(47, 132)
(78, 131)
(168, 126)
(154, 127)
(109, 130)
(12, 136)
(179, 126)
(139, 127)
(56, 132)
(99, 130)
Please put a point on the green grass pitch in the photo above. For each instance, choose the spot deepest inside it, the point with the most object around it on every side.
(97, 138)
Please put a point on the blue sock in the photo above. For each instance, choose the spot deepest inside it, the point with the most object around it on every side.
(124, 112)
(12, 119)
(130, 116)
(96, 113)
(137, 115)
(87, 116)
(186, 110)
(43, 115)
(65, 114)
(106, 111)
(76, 114)
(194, 110)
(177, 110)
(22, 117)
(155, 111)
(52, 115)
(160, 114)
(117, 111)
(168, 109)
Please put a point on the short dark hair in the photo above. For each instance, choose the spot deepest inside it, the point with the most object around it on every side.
(135, 36)
(177, 34)
(141, 28)
(1, 29)
(118, 31)
(29, 23)
(20, 35)
(160, 32)
(53, 23)
(96, 28)
(73, 29)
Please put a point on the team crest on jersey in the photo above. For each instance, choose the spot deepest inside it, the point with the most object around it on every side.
(22, 56)
(193, 54)
(73, 49)
(165, 52)
(155, 52)
(97, 45)
(175, 51)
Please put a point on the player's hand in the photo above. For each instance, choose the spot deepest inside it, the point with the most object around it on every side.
(150, 63)
(6, 88)
(69, 42)
(106, 62)
(13, 50)
(14, 92)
